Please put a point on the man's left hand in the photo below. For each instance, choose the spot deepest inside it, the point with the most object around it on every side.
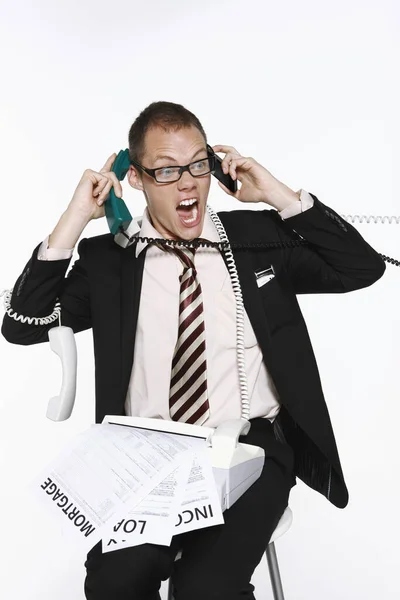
(257, 184)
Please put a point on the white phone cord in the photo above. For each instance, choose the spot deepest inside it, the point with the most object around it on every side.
(361, 218)
(239, 297)
(237, 290)
(56, 314)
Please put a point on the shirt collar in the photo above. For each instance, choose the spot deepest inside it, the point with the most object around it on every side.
(209, 231)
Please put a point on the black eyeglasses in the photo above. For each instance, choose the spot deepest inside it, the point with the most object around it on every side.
(197, 168)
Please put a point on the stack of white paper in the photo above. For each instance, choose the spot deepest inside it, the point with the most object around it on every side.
(130, 486)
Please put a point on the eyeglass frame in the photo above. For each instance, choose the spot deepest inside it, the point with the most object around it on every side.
(182, 169)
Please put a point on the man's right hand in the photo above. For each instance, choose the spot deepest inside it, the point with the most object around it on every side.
(93, 190)
(87, 203)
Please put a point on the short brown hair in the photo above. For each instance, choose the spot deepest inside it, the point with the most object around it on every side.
(168, 116)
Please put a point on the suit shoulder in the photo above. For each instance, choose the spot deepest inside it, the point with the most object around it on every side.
(247, 215)
(250, 225)
(251, 222)
(99, 243)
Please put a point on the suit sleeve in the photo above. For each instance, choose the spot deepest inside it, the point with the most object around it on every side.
(337, 259)
(36, 292)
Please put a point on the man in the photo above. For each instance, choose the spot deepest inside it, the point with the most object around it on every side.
(153, 361)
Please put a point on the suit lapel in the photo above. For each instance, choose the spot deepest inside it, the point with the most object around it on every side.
(131, 285)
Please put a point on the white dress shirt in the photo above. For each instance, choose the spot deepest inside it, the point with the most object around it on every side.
(156, 334)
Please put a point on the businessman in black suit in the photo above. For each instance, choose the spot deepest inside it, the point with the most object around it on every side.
(103, 291)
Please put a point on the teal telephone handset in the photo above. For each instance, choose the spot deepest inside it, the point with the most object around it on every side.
(117, 213)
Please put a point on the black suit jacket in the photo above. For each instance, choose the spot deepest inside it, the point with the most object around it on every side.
(102, 291)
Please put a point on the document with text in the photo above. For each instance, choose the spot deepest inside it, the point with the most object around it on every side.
(129, 486)
(189, 499)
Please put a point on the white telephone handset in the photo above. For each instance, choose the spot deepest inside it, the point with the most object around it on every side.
(62, 342)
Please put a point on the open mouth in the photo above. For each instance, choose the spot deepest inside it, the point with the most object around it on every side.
(189, 212)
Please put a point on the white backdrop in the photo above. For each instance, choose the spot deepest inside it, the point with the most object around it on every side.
(311, 91)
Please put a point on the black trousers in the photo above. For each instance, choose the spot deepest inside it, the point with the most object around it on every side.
(217, 562)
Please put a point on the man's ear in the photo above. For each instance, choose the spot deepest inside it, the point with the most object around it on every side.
(134, 178)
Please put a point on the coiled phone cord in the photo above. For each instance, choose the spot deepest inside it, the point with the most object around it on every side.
(237, 291)
(56, 314)
(225, 243)
(236, 246)
(374, 219)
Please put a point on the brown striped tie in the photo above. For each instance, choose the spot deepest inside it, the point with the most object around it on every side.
(188, 396)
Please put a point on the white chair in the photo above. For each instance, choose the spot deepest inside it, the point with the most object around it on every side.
(276, 583)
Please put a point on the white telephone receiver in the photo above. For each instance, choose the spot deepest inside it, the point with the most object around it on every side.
(62, 342)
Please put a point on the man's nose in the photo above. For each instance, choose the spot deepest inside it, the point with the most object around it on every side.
(186, 180)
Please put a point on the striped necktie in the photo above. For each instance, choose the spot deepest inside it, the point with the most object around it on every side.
(188, 396)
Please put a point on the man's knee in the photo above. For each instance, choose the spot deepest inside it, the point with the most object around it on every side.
(128, 573)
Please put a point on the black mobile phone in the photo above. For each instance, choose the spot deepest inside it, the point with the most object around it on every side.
(226, 179)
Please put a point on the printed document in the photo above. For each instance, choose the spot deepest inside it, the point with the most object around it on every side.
(128, 486)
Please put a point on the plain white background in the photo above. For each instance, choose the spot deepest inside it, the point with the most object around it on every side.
(311, 91)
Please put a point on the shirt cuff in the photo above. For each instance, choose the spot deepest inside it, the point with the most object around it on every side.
(46, 253)
(305, 202)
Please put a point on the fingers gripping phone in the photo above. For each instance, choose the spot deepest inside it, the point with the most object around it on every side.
(217, 171)
(117, 213)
